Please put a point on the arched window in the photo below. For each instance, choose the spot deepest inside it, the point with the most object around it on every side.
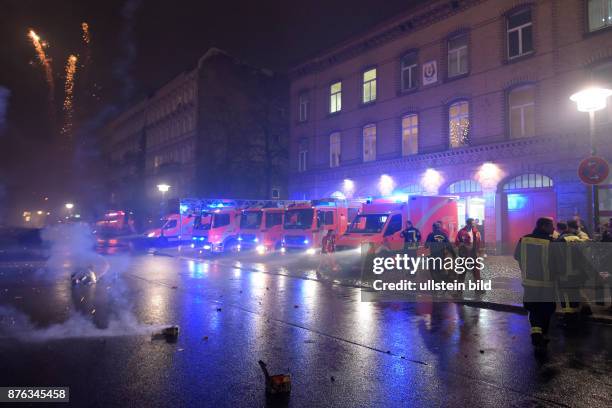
(528, 180)
(464, 186)
(412, 189)
(459, 124)
(521, 107)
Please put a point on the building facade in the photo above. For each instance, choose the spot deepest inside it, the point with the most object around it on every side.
(218, 130)
(467, 98)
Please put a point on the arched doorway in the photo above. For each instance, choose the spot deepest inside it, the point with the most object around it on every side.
(525, 198)
(471, 204)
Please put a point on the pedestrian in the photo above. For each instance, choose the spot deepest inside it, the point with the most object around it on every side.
(606, 236)
(582, 232)
(532, 253)
(561, 229)
(328, 247)
(412, 239)
(480, 227)
(469, 245)
(440, 248)
(572, 269)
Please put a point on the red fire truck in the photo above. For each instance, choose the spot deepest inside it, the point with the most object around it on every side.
(261, 229)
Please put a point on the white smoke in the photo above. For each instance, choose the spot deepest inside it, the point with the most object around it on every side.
(4, 97)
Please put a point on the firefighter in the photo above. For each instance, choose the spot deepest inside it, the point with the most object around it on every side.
(533, 255)
(572, 268)
(469, 245)
(412, 239)
(439, 247)
(328, 247)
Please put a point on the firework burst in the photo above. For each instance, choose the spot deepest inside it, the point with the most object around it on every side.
(40, 46)
(69, 94)
(86, 37)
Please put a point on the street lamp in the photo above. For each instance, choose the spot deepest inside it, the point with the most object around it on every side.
(163, 188)
(591, 100)
(69, 206)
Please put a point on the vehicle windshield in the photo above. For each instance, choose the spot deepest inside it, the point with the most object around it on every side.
(368, 223)
(202, 222)
(250, 219)
(299, 219)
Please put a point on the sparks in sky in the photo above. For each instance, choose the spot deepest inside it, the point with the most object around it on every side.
(86, 37)
(40, 46)
(69, 94)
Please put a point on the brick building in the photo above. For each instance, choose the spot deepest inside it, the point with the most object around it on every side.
(465, 97)
(220, 129)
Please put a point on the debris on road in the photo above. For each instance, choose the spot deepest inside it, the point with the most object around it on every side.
(170, 334)
(481, 351)
(218, 309)
(82, 299)
(93, 311)
(174, 287)
(276, 384)
(332, 378)
(295, 306)
(205, 338)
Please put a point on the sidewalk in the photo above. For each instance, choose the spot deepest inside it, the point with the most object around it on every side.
(503, 271)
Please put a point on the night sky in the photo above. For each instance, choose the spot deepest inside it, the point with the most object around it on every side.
(137, 46)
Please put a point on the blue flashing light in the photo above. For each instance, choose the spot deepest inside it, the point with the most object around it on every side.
(194, 238)
(239, 238)
(201, 238)
(306, 241)
(183, 208)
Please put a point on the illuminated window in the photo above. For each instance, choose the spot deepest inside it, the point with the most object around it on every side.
(520, 34)
(410, 134)
(521, 108)
(335, 97)
(334, 149)
(529, 180)
(369, 143)
(600, 14)
(303, 107)
(458, 55)
(408, 68)
(369, 86)
(459, 124)
(465, 186)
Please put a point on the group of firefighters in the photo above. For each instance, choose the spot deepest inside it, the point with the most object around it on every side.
(556, 263)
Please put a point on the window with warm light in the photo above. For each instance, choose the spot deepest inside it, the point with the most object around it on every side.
(409, 74)
(520, 34)
(410, 134)
(458, 55)
(335, 97)
(521, 112)
(459, 124)
(369, 86)
(334, 149)
(600, 14)
(369, 143)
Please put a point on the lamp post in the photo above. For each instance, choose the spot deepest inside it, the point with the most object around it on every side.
(163, 189)
(69, 207)
(591, 100)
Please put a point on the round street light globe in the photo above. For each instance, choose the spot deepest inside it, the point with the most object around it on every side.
(69, 206)
(163, 188)
(591, 99)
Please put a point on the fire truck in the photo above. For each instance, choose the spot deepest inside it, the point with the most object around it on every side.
(216, 225)
(261, 229)
(381, 221)
(307, 222)
(175, 228)
(115, 228)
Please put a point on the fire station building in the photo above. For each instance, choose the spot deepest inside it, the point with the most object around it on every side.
(469, 98)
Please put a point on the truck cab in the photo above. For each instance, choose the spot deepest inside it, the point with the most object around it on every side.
(115, 228)
(307, 223)
(174, 228)
(381, 221)
(261, 229)
(216, 230)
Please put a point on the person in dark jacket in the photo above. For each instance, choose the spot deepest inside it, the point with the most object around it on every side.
(439, 247)
(412, 239)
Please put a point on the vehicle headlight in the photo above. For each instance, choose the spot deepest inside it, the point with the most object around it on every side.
(311, 251)
(151, 234)
(260, 249)
(206, 247)
(283, 250)
(193, 245)
(239, 238)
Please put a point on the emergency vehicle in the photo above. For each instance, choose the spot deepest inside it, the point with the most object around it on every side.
(306, 223)
(381, 221)
(114, 228)
(175, 228)
(261, 229)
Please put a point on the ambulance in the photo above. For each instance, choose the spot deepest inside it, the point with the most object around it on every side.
(381, 221)
(175, 228)
(306, 223)
(261, 229)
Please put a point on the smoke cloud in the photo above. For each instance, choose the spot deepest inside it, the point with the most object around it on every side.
(123, 66)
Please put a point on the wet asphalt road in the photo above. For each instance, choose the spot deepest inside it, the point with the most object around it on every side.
(233, 314)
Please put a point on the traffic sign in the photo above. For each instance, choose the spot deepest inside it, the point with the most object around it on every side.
(593, 170)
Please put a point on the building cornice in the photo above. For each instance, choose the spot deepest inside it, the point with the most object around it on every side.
(417, 20)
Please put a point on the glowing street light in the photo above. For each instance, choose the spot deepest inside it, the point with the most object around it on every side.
(386, 185)
(489, 175)
(163, 188)
(431, 180)
(69, 206)
(591, 100)
(348, 187)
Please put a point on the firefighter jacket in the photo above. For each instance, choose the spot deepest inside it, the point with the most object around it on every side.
(411, 236)
(439, 245)
(468, 245)
(570, 261)
(533, 253)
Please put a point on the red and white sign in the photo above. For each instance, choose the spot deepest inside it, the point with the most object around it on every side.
(593, 170)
